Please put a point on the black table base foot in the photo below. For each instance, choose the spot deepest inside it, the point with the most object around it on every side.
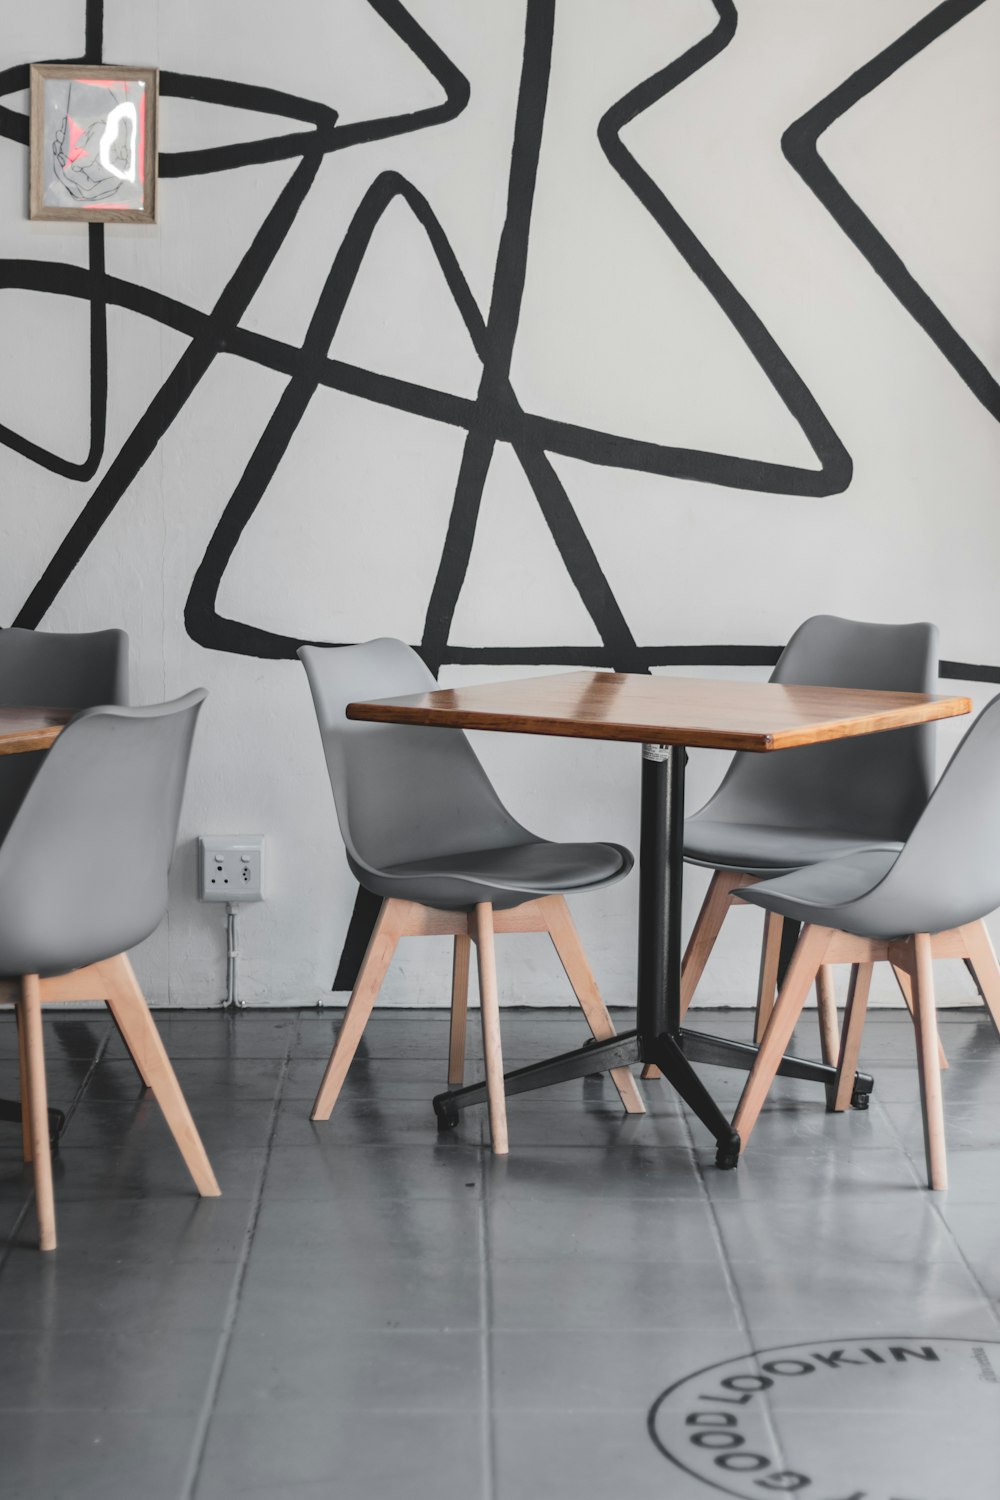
(860, 1095)
(727, 1155)
(446, 1112)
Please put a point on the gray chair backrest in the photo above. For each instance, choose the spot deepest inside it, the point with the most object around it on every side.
(83, 868)
(401, 792)
(876, 785)
(62, 670)
(948, 872)
(45, 669)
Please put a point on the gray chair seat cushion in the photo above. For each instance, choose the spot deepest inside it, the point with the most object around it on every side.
(505, 876)
(819, 892)
(762, 849)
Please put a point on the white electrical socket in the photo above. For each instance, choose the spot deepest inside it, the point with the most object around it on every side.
(231, 867)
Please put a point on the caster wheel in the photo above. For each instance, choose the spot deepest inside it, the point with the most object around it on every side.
(860, 1100)
(447, 1114)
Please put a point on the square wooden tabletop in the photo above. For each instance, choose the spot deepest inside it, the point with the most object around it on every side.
(703, 712)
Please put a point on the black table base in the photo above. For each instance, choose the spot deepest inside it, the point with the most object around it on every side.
(659, 1036)
(673, 1057)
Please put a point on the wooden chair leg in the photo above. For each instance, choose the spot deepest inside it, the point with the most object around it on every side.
(566, 941)
(925, 1018)
(850, 1041)
(459, 1011)
(378, 956)
(767, 984)
(812, 945)
(706, 930)
(826, 1008)
(128, 1006)
(22, 1060)
(38, 1107)
(489, 1003)
(983, 959)
(906, 990)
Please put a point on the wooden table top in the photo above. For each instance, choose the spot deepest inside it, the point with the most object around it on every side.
(31, 728)
(694, 711)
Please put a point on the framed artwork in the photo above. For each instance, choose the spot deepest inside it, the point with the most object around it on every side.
(93, 143)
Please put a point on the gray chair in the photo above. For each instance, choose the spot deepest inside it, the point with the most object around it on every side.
(775, 813)
(906, 906)
(54, 670)
(424, 829)
(83, 877)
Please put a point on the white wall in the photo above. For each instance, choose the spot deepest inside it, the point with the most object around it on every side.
(616, 333)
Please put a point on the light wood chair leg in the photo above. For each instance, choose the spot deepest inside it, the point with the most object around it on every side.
(906, 990)
(850, 1041)
(704, 934)
(703, 937)
(767, 983)
(22, 1060)
(925, 1018)
(983, 959)
(128, 1006)
(812, 945)
(38, 1105)
(459, 1011)
(378, 956)
(826, 1009)
(489, 1005)
(566, 941)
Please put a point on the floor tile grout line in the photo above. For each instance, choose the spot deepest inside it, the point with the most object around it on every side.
(486, 1332)
(85, 1082)
(935, 1207)
(732, 1285)
(207, 1411)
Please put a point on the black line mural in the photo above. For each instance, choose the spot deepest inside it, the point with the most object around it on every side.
(800, 144)
(91, 289)
(495, 414)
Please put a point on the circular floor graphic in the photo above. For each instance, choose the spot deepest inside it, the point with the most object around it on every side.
(902, 1418)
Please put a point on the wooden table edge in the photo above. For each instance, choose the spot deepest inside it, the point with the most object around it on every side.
(37, 736)
(386, 712)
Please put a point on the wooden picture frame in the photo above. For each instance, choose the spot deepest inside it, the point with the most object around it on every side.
(93, 143)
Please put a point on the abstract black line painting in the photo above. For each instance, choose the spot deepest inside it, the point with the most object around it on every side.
(800, 144)
(546, 447)
(495, 415)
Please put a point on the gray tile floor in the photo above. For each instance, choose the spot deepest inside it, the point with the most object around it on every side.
(375, 1310)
